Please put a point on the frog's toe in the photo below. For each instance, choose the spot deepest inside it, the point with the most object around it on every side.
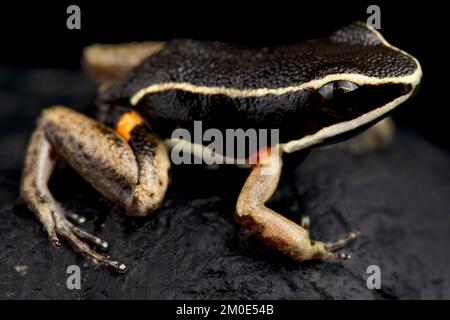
(100, 243)
(305, 222)
(74, 217)
(340, 243)
(341, 256)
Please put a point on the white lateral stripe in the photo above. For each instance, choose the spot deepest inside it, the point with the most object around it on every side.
(258, 92)
(247, 93)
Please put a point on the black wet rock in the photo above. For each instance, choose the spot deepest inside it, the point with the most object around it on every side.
(192, 248)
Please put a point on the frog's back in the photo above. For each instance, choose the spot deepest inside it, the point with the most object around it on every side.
(232, 86)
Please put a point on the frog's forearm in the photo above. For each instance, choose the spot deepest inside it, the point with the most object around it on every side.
(271, 227)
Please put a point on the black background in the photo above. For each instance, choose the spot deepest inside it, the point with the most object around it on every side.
(34, 34)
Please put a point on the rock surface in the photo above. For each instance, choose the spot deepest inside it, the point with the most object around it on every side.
(192, 248)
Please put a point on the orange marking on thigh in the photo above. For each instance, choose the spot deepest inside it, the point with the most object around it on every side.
(127, 122)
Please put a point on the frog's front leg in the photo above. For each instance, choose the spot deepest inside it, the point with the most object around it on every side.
(133, 174)
(273, 228)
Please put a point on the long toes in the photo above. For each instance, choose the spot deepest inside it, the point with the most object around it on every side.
(305, 222)
(328, 255)
(53, 237)
(343, 256)
(87, 236)
(339, 244)
(67, 231)
(74, 217)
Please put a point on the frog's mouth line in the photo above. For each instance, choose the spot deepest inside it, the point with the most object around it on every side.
(344, 128)
(331, 133)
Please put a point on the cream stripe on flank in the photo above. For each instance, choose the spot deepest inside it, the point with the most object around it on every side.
(324, 133)
(307, 141)
(259, 92)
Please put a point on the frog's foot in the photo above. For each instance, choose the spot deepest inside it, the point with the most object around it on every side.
(305, 223)
(108, 62)
(75, 236)
(100, 243)
(131, 171)
(72, 218)
(274, 229)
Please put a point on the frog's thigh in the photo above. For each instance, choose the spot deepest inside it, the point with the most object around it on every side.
(107, 62)
(133, 174)
(273, 228)
(375, 138)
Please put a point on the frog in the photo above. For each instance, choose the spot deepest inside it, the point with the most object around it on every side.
(314, 93)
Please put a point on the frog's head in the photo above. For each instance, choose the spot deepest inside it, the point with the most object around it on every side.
(356, 79)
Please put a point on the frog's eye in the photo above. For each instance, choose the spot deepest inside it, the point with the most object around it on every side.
(338, 98)
(336, 89)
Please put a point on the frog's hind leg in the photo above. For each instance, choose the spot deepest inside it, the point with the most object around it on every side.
(271, 227)
(133, 173)
(107, 62)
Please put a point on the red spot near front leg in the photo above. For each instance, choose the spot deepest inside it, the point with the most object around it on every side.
(263, 152)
